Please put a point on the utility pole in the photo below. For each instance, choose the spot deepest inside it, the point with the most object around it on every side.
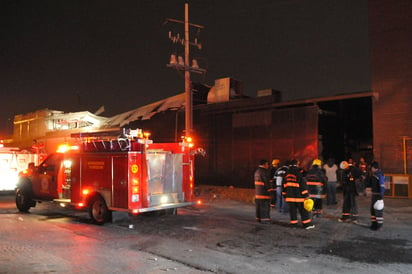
(188, 91)
(186, 65)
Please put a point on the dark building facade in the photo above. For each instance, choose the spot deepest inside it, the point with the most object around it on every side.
(390, 29)
(237, 133)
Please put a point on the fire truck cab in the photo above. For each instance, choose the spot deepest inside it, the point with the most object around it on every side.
(130, 174)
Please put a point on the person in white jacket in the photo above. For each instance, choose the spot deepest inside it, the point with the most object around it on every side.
(331, 168)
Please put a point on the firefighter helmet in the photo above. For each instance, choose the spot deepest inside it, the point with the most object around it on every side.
(275, 162)
(344, 165)
(308, 205)
(317, 162)
(378, 205)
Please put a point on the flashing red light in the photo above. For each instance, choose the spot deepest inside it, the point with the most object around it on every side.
(65, 147)
(80, 205)
(199, 202)
(134, 168)
(135, 211)
(86, 192)
(62, 148)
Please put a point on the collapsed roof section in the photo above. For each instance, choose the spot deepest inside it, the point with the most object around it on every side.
(147, 111)
(72, 120)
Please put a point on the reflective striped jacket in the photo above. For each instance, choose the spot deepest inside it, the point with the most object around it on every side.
(294, 186)
(262, 183)
(315, 181)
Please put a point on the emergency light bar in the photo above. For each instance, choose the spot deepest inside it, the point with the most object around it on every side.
(65, 148)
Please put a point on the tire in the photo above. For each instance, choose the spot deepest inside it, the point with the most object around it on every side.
(171, 211)
(98, 211)
(24, 200)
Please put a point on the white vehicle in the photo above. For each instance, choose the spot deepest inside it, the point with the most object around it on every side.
(13, 161)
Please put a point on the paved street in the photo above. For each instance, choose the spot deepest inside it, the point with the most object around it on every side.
(47, 241)
(219, 237)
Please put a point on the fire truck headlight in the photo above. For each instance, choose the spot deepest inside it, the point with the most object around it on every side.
(135, 198)
(163, 199)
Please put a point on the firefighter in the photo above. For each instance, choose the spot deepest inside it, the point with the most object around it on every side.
(262, 197)
(377, 184)
(295, 193)
(350, 207)
(316, 180)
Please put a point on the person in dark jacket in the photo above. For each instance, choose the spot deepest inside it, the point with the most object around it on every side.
(377, 184)
(262, 196)
(278, 179)
(295, 193)
(316, 180)
(272, 190)
(350, 207)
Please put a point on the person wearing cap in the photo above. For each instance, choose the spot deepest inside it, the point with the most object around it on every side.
(377, 184)
(295, 193)
(262, 195)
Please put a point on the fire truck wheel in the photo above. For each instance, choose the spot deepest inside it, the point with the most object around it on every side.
(98, 211)
(171, 211)
(23, 200)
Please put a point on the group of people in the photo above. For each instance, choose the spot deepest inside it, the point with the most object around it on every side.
(287, 186)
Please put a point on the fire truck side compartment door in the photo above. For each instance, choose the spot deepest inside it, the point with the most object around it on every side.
(120, 181)
(72, 181)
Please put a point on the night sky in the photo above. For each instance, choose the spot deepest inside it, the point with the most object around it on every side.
(75, 55)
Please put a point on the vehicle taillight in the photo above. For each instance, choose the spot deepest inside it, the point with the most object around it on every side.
(135, 186)
(187, 141)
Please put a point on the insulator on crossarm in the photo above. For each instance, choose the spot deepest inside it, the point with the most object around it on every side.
(173, 59)
(180, 61)
(195, 64)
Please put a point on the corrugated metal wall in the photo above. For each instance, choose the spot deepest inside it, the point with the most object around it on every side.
(236, 141)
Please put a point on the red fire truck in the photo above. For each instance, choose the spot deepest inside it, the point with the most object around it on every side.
(130, 174)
